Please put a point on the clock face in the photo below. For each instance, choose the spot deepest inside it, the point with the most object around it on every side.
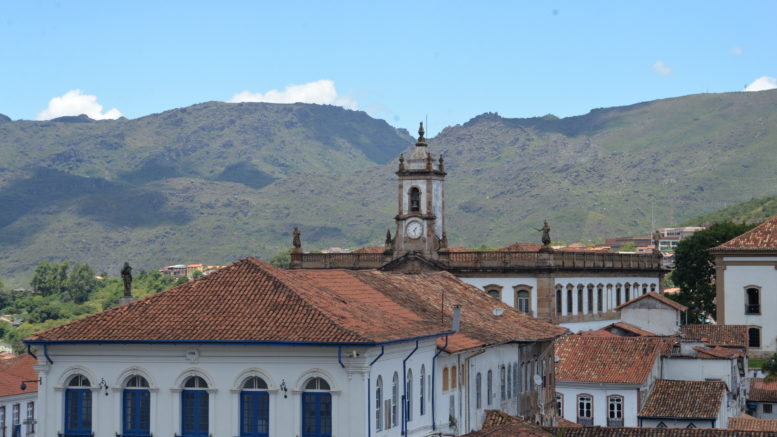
(414, 230)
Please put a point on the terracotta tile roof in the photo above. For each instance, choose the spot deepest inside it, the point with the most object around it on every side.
(599, 333)
(661, 298)
(632, 329)
(422, 293)
(564, 423)
(719, 352)
(370, 249)
(684, 399)
(761, 391)
(761, 237)
(598, 431)
(745, 422)
(522, 247)
(15, 370)
(255, 301)
(500, 424)
(626, 360)
(717, 335)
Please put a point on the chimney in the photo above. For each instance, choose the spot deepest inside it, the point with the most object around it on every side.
(456, 318)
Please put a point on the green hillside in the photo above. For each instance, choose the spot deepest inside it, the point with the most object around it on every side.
(215, 182)
(751, 211)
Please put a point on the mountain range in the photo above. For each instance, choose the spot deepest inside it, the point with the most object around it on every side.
(215, 182)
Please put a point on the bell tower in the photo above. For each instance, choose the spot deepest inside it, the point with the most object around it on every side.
(420, 218)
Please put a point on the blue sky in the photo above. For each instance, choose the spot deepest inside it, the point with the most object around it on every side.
(399, 61)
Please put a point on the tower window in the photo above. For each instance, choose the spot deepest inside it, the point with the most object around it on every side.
(415, 199)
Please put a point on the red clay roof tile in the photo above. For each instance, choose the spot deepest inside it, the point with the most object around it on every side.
(749, 423)
(761, 237)
(685, 399)
(15, 370)
(626, 360)
(761, 391)
(717, 335)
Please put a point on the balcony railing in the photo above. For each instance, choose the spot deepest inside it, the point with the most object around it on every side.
(490, 260)
(752, 308)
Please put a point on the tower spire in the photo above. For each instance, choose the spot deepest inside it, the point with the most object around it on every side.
(421, 132)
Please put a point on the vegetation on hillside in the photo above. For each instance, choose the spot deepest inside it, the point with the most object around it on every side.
(216, 182)
(64, 292)
(752, 211)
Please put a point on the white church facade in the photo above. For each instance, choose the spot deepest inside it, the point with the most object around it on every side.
(253, 350)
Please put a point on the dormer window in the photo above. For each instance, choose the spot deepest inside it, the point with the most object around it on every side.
(415, 200)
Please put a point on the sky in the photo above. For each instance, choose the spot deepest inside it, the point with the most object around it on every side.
(404, 62)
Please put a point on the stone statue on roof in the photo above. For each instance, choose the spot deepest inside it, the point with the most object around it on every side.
(545, 233)
(296, 240)
(126, 276)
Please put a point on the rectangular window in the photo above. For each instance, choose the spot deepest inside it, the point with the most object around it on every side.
(2, 421)
(767, 408)
(615, 411)
(559, 405)
(15, 419)
(584, 410)
(30, 417)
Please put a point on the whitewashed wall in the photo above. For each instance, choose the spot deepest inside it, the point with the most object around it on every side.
(736, 280)
(507, 284)
(22, 400)
(600, 394)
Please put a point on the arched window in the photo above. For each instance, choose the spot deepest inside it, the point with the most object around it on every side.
(445, 379)
(254, 408)
(644, 288)
(617, 294)
(316, 408)
(379, 404)
(569, 300)
(522, 300)
(78, 406)
(502, 384)
(559, 302)
(652, 288)
(494, 291)
(394, 399)
(421, 391)
(627, 291)
(409, 395)
(585, 409)
(754, 337)
(580, 308)
(599, 296)
(194, 407)
(590, 298)
(615, 411)
(453, 376)
(415, 199)
(136, 405)
(478, 391)
(489, 387)
(753, 301)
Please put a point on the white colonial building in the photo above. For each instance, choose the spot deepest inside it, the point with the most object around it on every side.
(18, 397)
(746, 285)
(252, 350)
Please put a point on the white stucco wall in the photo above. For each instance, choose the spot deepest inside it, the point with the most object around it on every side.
(507, 284)
(660, 319)
(224, 367)
(599, 392)
(22, 400)
(736, 279)
(609, 288)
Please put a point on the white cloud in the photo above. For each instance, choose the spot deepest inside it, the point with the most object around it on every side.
(763, 83)
(662, 68)
(75, 102)
(321, 92)
(736, 51)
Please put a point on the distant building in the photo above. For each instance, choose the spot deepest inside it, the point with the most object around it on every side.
(762, 399)
(685, 404)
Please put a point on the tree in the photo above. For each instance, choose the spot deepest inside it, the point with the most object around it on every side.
(282, 259)
(81, 283)
(694, 271)
(769, 367)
